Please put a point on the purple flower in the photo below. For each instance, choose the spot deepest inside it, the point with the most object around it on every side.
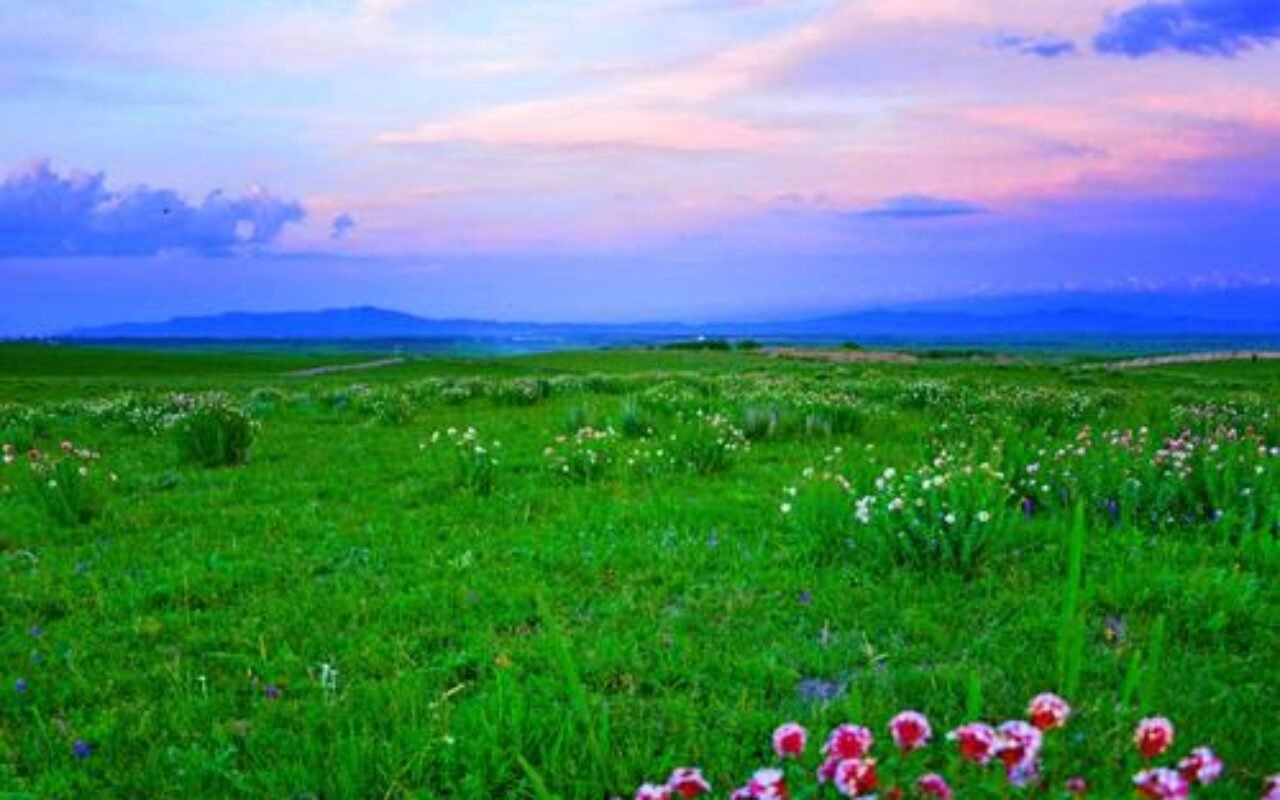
(272, 692)
(20, 686)
(81, 749)
(806, 597)
(37, 631)
(1028, 507)
(1113, 508)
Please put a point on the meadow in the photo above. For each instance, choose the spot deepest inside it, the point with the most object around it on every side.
(567, 575)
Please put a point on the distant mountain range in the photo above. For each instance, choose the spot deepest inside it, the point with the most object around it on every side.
(1238, 315)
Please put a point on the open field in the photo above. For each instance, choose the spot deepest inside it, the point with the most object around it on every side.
(565, 574)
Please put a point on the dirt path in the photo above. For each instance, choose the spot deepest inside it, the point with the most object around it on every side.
(1193, 358)
(841, 356)
(329, 370)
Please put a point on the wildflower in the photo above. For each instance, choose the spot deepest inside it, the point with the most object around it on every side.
(1164, 784)
(1271, 789)
(785, 508)
(36, 631)
(856, 776)
(20, 686)
(1019, 749)
(1048, 711)
(910, 730)
(1201, 766)
(1076, 786)
(81, 749)
(789, 740)
(848, 741)
(272, 692)
(768, 784)
(688, 782)
(934, 785)
(1153, 736)
(652, 791)
(984, 516)
(978, 742)
(66, 446)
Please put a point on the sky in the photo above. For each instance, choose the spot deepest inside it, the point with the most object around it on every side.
(626, 160)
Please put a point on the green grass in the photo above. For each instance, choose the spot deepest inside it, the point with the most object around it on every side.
(560, 638)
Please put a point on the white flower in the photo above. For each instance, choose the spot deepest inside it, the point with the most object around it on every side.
(984, 516)
(785, 508)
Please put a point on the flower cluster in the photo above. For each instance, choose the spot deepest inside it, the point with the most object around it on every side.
(1017, 746)
(584, 456)
(66, 482)
(473, 459)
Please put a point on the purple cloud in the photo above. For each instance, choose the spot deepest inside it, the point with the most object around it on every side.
(1201, 27)
(1041, 46)
(341, 224)
(46, 214)
(919, 206)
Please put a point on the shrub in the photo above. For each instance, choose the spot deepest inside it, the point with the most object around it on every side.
(707, 444)
(635, 420)
(582, 457)
(66, 483)
(472, 460)
(214, 432)
(761, 422)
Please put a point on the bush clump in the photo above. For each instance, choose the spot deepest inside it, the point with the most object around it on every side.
(214, 432)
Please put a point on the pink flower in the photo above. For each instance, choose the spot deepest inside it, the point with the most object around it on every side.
(1202, 766)
(789, 740)
(848, 741)
(1048, 711)
(688, 782)
(1019, 746)
(1162, 784)
(827, 771)
(1153, 736)
(1271, 789)
(1018, 741)
(768, 784)
(910, 730)
(978, 742)
(856, 776)
(1076, 786)
(933, 785)
(652, 791)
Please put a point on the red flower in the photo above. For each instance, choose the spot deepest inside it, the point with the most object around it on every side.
(1162, 784)
(688, 782)
(1153, 736)
(1048, 711)
(910, 730)
(978, 742)
(1019, 748)
(856, 776)
(848, 741)
(933, 785)
(1202, 766)
(789, 740)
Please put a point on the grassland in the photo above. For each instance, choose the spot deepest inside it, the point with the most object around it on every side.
(656, 558)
